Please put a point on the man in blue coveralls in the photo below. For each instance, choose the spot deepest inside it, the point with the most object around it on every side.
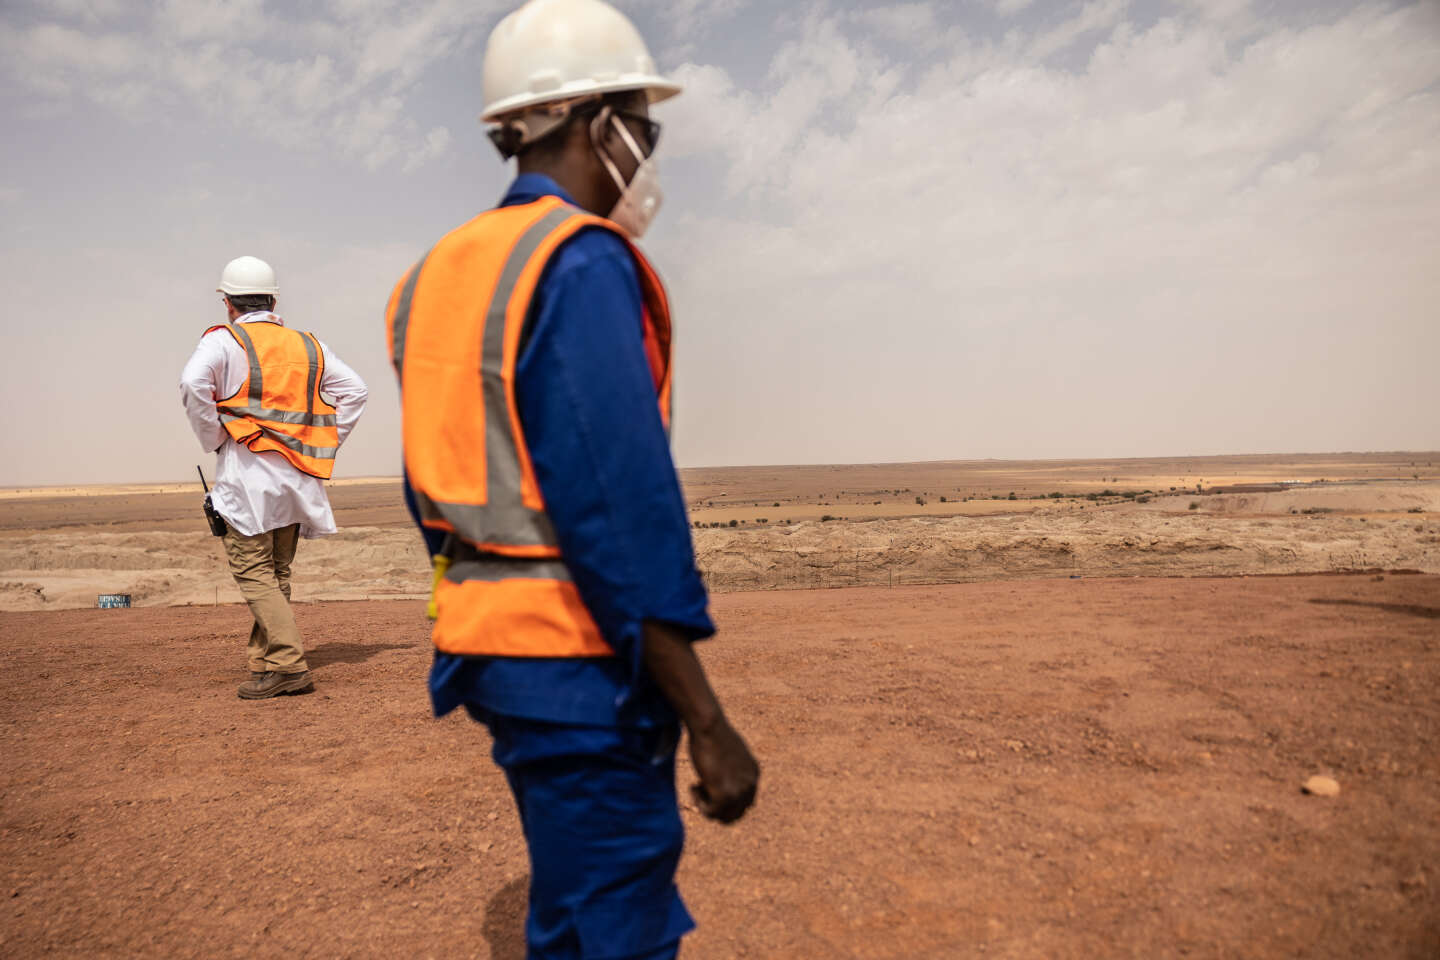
(566, 588)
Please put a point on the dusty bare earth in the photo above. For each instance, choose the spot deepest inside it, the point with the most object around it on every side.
(992, 741)
(1067, 768)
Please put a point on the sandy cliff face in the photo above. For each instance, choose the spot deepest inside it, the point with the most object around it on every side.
(1358, 527)
(1128, 542)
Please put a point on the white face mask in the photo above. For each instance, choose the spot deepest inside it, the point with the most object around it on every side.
(640, 199)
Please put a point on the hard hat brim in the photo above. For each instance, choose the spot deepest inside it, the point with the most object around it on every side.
(236, 290)
(658, 89)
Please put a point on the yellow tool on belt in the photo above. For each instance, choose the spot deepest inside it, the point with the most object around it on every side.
(439, 564)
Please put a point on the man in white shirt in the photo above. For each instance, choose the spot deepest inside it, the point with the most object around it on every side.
(275, 405)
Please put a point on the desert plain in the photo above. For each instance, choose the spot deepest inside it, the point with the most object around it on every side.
(1003, 709)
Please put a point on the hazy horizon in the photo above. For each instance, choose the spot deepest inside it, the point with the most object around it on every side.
(1267, 456)
(894, 232)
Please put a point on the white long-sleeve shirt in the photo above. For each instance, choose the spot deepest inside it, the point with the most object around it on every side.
(256, 492)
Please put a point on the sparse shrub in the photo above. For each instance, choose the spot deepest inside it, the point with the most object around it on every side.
(877, 503)
(1012, 496)
(762, 520)
(733, 523)
(1415, 510)
(920, 500)
(1194, 505)
(942, 498)
(826, 519)
(1056, 495)
(1143, 498)
(777, 503)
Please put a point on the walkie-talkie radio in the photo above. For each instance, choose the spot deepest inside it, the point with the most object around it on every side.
(217, 522)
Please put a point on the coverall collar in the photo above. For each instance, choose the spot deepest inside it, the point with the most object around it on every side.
(529, 187)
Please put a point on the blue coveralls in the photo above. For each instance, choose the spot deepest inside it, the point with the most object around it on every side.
(588, 744)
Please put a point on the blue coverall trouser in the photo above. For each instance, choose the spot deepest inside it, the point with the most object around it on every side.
(603, 829)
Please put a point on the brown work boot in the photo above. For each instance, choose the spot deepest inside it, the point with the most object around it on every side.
(273, 684)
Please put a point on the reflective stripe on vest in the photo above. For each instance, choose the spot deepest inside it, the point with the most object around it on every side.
(455, 322)
(272, 411)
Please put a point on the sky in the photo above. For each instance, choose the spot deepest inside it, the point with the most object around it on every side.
(905, 231)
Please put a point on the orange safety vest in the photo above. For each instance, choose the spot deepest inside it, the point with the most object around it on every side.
(279, 406)
(454, 323)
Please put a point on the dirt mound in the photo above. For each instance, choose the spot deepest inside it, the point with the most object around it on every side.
(65, 569)
(68, 569)
(18, 595)
(1100, 543)
(1372, 497)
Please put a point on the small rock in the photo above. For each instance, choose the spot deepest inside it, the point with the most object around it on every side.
(1321, 787)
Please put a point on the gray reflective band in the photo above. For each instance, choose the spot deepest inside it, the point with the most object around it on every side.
(495, 569)
(313, 355)
(257, 377)
(507, 519)
(402, 317)
(281, 416)
(504, 518)
(304, 449)
(482, 523)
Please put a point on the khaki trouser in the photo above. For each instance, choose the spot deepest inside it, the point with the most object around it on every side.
(261, 567)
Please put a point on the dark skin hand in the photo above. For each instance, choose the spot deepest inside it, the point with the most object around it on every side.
(728, 772)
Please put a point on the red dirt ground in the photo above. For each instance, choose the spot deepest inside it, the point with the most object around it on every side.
(1071, 769)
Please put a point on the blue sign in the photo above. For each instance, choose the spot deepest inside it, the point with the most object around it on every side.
(106, 600)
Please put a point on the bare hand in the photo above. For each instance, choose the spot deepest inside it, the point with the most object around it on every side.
(728, 772)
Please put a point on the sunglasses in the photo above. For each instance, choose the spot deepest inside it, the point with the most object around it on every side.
(648, 128)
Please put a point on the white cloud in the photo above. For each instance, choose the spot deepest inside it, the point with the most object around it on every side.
(437, 141)
(212, 20)
(899, 231)
(1093, 16)
(352, 66)
(903, 22)
(1000, 220)
(687, 19)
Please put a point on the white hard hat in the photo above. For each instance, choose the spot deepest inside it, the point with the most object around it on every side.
(551, 50)
(248, 275)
